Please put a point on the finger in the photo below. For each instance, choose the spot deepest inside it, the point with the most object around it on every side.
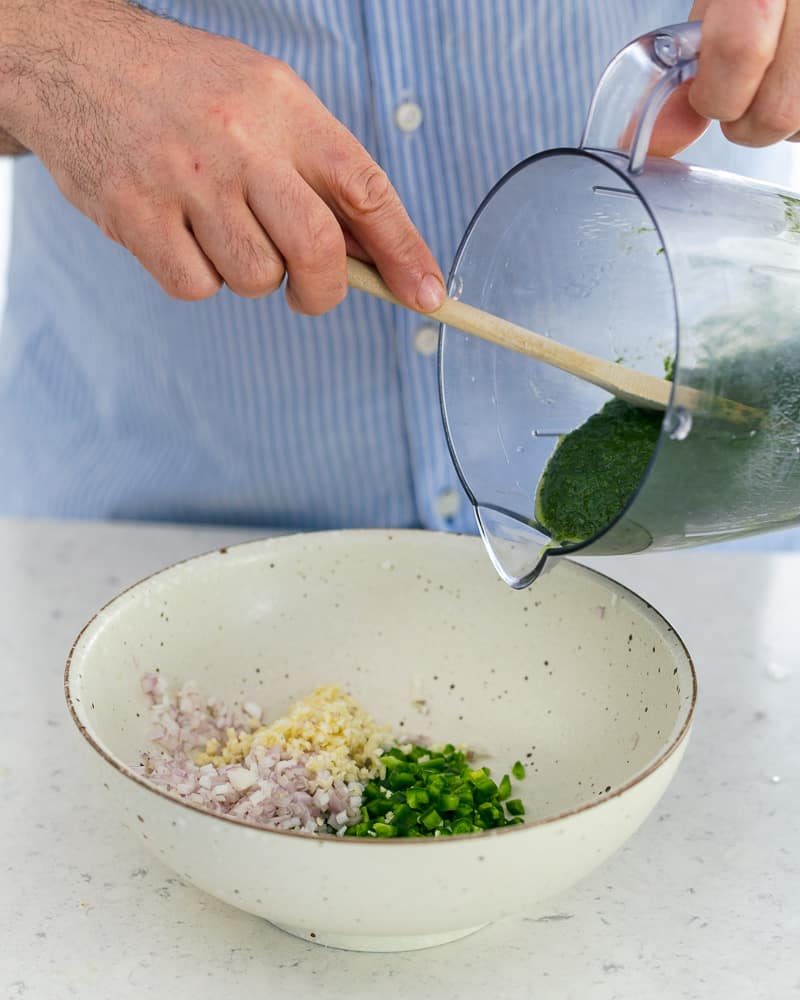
(698, 11)
(235, 242)
(360, 194)
(354, 248)
(740, 38)
(308, 237)
(678, 125)
(166, 247)
(775, 112)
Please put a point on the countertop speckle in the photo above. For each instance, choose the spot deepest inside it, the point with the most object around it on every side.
(702, 904)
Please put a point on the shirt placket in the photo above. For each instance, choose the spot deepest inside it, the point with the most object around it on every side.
(402, 131)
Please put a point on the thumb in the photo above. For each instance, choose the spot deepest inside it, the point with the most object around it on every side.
(678, 124)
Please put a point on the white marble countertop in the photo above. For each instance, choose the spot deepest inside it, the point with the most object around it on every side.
(703, 903)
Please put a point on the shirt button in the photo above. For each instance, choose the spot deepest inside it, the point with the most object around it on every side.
(426, 339)
(447, 504)
(408, 116)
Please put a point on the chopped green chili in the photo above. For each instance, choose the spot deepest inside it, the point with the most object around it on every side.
(504, 788)
(435, 793)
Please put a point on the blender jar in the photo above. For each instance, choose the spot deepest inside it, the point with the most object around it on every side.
(643, 261)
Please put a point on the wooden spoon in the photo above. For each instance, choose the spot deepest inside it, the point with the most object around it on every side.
(638, 388)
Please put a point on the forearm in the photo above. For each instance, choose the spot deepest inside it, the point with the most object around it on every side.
(44, 49)
(157, 132)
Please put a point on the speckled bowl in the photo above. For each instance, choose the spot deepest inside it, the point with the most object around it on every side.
(578, 677)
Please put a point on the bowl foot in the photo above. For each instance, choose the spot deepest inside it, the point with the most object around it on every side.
(372, 942)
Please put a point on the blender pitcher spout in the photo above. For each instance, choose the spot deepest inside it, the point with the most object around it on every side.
(518, 551)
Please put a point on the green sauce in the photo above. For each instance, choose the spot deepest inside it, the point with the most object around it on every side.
(722, 479)
(595, 469)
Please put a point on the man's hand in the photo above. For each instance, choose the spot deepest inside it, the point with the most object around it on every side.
(748, 76)
(9, 145)
(209, 161)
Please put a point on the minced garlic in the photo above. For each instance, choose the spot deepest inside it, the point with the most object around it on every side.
(330, 725)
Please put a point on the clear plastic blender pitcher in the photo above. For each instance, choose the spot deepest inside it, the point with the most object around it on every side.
(636, 260)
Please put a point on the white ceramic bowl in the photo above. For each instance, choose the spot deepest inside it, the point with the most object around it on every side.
(577, 677)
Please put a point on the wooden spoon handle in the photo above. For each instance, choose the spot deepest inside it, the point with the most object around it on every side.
(635, 387)
(638, 388)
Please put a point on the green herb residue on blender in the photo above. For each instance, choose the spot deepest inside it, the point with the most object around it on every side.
(596, 468)
(724, 467)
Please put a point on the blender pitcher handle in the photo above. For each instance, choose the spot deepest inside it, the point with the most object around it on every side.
(634, 87)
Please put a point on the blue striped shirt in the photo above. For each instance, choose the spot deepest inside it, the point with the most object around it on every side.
(116, 401)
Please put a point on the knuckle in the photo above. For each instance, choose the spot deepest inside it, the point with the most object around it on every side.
(274, 274)
(367, 190)
(260, 275)
(180, 282)
(253, 267)
(765, 124)
(408, 247)
(139, 222)
(323, 242)
(741, 133)
(739, 48)
(777, 117)
(148, 231)
(711, 101)
(278, 74)
(270, 279)
(760, 51)
(705, 104)
(317, 303)
(231, 123)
